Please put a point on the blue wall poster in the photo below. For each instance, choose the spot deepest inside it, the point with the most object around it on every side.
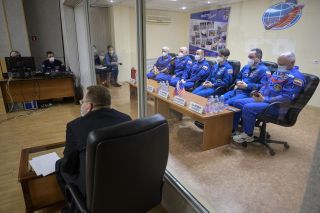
(208, 31)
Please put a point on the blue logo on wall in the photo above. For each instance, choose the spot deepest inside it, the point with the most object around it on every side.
(282, 15)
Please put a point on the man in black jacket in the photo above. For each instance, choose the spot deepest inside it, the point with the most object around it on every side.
(95, 113)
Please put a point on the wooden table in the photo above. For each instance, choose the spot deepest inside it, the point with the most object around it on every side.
(39, 192)
(217, 127)
(36, 88)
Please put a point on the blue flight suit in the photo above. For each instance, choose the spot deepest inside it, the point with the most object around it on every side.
(162, 63)
(254, 77)
(220, 76)
(197, 74)
(181, 65)
(280, 87)
(112, 67)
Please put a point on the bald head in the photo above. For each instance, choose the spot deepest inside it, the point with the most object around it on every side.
(287, 60)
(183, 50)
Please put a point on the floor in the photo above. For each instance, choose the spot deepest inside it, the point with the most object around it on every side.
(226, 179)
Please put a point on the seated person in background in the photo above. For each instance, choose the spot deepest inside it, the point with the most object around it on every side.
(112, 63)
(51, 64)
(14, 54)
(251, 77)
(97, 60)
(96, 112)
(182, 64)
(220, 76)
(283, 86)
(162, 64)
(198, 73)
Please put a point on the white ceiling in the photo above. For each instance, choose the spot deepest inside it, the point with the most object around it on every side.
(173, 5)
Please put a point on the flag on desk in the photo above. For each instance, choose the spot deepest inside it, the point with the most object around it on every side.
(179, 90)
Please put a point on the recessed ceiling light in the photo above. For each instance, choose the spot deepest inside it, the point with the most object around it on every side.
(111, 1)
(209, 2)
(173, 0)
(183, 8)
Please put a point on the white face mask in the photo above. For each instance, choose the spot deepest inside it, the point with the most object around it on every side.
(51, 59)
(164, 54)
(250, 62)
(197, 57)
(219, 59)
(180, 55)
(282, 69)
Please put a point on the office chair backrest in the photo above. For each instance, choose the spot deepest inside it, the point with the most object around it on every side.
(211, 63)
(192, 57)
(172, 55)
(272, 66)
(236, 65)
(311, 84)
(125, 165)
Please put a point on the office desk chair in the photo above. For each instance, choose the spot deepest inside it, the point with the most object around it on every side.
(291, 116)
(272, 66)
(125, 166)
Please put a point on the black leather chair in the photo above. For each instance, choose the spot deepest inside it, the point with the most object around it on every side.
(272, 66)
(211, 63)
(236, 65)
(291, 116)
(125, 166)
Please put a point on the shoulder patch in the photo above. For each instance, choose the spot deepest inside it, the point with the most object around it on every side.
(230, 71)
(205, 67)
(189, 62)
(298, 82)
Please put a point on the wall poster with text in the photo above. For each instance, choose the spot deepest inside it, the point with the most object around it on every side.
(208, 31)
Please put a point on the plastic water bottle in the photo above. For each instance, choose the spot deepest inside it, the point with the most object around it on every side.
(221, 103)
(216, 104)
(167, 86)
(209, 105)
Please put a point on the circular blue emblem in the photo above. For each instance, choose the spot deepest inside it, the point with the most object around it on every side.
(282, 15)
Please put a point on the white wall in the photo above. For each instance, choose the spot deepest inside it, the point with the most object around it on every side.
(120, 18)
(13, 29)
(247, 31)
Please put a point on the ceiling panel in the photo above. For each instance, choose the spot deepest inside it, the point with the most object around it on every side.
(172, 5)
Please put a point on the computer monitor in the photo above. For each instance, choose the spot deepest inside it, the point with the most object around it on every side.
(20, 64)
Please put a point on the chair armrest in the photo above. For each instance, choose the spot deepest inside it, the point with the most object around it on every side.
(231, 87)
(275, 104)
(220, 90)
(72, 192)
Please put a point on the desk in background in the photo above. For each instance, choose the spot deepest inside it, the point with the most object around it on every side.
(22, 90)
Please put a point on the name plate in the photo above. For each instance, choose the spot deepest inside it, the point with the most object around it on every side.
(163, 94)
(180, 101)
(150, 88)
(196, 107)
(133, 81)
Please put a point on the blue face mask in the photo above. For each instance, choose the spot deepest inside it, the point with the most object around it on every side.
(282, 69)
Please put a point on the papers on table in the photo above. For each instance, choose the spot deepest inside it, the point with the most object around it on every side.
(44, 164)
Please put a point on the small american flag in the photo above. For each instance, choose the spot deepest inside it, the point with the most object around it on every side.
(179, 90)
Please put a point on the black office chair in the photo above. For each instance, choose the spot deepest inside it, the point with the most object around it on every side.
(125, 166)
(291, 116)
(272, 66)
(192, 57)
(211, 63)
(173, 55)
(236, 65)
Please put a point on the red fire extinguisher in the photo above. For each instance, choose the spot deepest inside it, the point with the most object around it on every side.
(133, 73)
